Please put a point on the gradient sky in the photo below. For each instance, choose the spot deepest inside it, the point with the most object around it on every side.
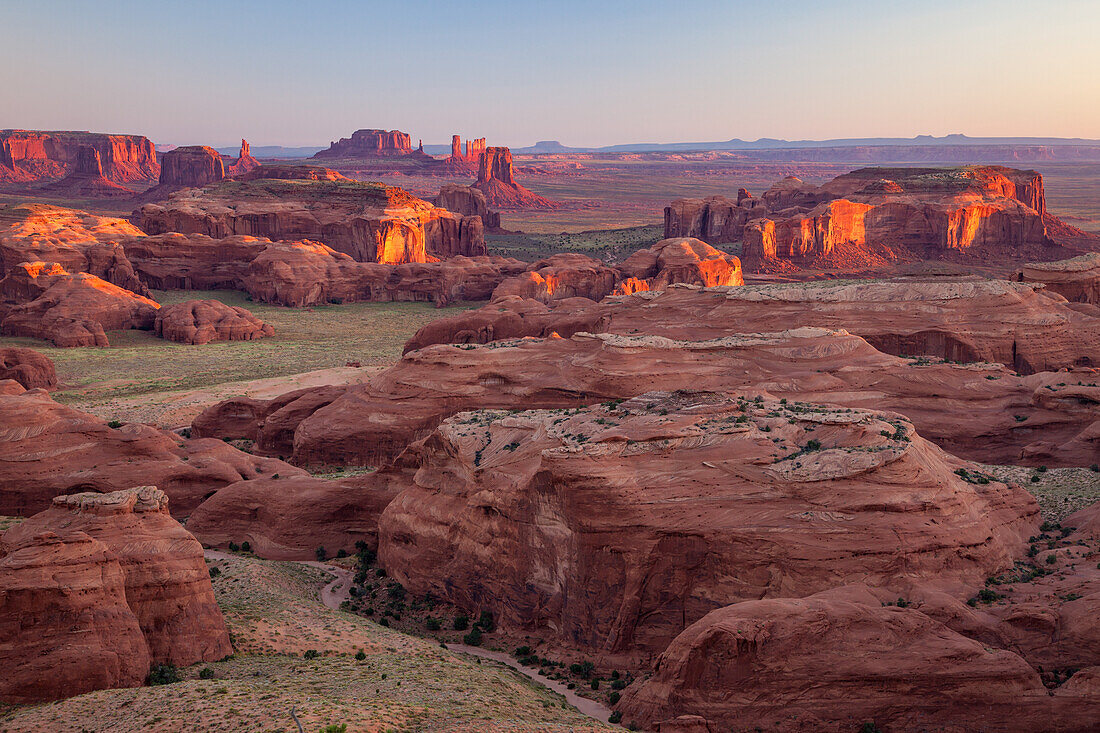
(591, 72)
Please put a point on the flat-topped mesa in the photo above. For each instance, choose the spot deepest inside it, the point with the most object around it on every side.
(86, 179)
(875, 216)
(370, 222)
(370, 144)
(152, 579)
(496, 179)
(27, 156)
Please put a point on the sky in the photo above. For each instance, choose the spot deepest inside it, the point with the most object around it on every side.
(587, 73)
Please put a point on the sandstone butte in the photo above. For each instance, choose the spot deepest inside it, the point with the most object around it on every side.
(42, 300)
(367, 221)
(873, 217)
(611, 528)
(496, 179)
(203, 321)
(48, 449)
(973, 410)
(96, 588)
(32, 156)
(189, 166)
(1077, 279)
(1021, 325)
(29, 368)
(244, 162)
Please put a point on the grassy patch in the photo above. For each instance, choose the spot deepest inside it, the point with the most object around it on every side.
(1059, 491)
(305, 339)
(612, 245)
(8, 522)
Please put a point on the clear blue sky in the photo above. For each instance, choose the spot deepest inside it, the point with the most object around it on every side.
(590, 72)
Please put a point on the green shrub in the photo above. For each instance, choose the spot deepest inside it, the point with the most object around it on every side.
(206, 673)
(335, 728)
(1051, 559)
(486, 622)
(595, 683)
(163, 674)
(473, 638)
(462, 622)
(341, 553)
(360, 655)
(311, 654)
(618, 684)
(115, 424)
(321, 554)
(246, 546)
(613, 697)
(215, 572)
(616, 717)
(433, 624)
(234, 547)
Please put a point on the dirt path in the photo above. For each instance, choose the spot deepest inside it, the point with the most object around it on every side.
(338, 590)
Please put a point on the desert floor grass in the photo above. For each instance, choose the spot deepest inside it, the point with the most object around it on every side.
(7, 522)
(272, 609)
(1059, 491)
(306, 339)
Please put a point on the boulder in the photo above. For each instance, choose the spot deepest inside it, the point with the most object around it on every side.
(680, 260)
(44, 301)
(164, 582)
(48, 449)
(28, 367)
(203, 321)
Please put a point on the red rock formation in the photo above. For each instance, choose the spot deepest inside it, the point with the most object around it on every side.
(969, 409)
(41, 300)
(682, 260)
(165, 584)
(839, 660)
(244, 162)
(875, 216)
(28, 156)
(293, 172)
(370, 144)
(76, 240)
(612, 528)
(959, 319)
(193, 261)
(203, 321)
(86, 179)
(567, 275)
(66, 628)
(289, 518)
(369, 222)
(467, 201)
(1077, 280)
(190, 166)
(496, 180)
(48, 449)
(26, 366)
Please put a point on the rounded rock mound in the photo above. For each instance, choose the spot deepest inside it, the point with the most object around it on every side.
(203, 321)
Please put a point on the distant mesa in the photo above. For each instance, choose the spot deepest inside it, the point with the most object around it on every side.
(191, 166)
(474, 149)
(875, 217)
(35, 156)
(372, 144)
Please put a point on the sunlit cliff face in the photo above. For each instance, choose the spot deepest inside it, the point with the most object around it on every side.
(400, 242)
